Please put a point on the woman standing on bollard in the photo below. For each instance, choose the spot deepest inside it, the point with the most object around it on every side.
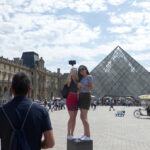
(85, 86)
(72, 102)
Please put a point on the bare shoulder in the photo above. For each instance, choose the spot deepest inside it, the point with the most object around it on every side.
(89, 75)
(90, 78)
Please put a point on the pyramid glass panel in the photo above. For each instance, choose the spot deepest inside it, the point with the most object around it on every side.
(120, 75)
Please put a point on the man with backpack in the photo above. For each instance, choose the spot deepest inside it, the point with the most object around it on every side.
(22, 123)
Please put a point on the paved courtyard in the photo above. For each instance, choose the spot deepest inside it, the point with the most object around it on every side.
(107, 131)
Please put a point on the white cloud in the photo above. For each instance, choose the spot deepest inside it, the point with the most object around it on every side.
(145, 5)
(136, 35)
(6, 28)
(61, 53)
(121, 29)
(47, 28)
(38, 6)
(99, 5)
(138, 40)
(35, 31)
(133, 19)
(116, 20)
(77, 35)
(85, 5)
(116, 2)
(89, 64)
(15, 3)
(146, 19)
(134, 42)
(147, 68)
(82, 6)
(142, 56)
(5, 10)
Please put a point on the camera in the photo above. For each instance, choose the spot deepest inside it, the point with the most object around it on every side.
(72, 62)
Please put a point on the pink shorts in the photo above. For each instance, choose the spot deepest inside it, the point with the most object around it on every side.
(72, 102)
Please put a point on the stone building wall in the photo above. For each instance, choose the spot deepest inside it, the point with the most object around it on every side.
(44, 83)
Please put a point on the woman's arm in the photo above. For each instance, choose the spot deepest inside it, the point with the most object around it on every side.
(69, 80)
(89, 88)
(90, 82)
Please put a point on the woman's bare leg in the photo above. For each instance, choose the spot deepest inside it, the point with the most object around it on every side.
(71, 122)
(85, 122)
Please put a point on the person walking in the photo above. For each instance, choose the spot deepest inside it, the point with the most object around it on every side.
(85, 86)
(111, 103)
(94, 104)
(21, 114)
(72, 102)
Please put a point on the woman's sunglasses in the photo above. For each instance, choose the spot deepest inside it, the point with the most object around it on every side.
(82, 69)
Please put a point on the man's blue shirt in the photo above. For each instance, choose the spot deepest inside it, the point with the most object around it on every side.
(37, 122)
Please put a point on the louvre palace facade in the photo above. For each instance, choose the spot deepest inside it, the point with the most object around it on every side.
(44, 83)
(119, 75)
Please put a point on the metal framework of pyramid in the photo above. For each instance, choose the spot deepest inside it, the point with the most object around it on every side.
(120, 75)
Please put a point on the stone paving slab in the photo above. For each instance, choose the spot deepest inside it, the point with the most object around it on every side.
(107, 131)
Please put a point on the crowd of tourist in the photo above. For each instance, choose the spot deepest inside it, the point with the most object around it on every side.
(52, 104)
(116, 102)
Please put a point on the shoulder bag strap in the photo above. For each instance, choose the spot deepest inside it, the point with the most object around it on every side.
(26, 116)
(8, 118)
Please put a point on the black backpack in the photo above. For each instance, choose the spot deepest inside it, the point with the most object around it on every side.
(65, 91)
(18, 140)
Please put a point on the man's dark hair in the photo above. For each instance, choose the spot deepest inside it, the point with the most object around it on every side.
(21, 83)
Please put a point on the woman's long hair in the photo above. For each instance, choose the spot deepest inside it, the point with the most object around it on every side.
(79, 74)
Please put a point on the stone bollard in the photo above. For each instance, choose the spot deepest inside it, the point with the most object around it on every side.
(77, 144)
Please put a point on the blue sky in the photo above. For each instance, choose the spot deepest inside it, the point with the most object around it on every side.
(84, 30)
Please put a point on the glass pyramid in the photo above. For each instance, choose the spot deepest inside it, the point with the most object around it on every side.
(120, 75)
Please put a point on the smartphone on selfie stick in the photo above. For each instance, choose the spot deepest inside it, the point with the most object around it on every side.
(72, 62)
